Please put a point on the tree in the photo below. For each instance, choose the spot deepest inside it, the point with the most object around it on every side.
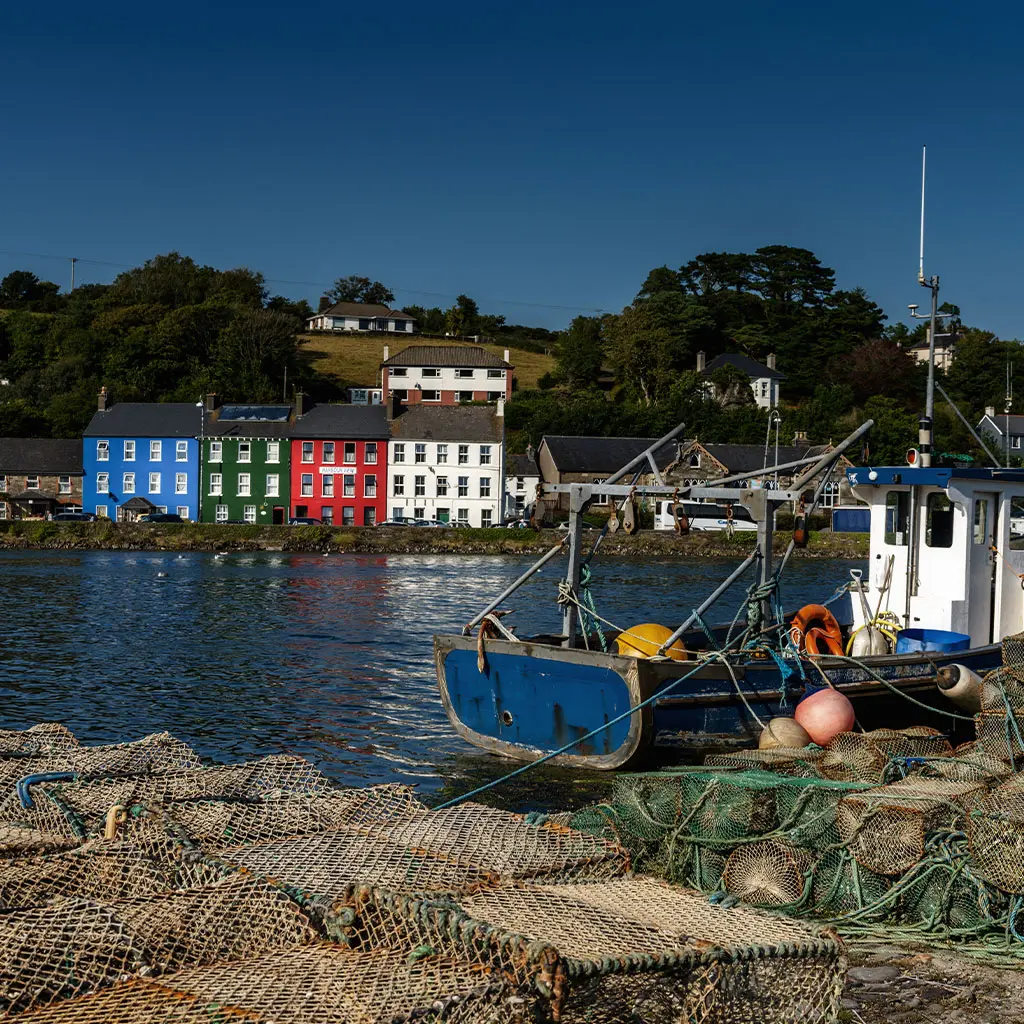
(463, 318)
(360, 289)
(299, 308)
(579, 353)
(878, 367)
(254, 351)
(21, 289)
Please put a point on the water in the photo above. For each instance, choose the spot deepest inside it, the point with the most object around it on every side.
(245, 655)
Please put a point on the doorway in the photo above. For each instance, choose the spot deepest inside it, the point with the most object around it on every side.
(981, 568)
(278, 516)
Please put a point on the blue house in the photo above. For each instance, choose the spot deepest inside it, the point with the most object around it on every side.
(142, 457)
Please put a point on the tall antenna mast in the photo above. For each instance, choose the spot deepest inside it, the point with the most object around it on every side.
(920, 266)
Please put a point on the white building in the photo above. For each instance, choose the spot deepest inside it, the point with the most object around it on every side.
(362, 317)
(998, 426)
(764, 378)
(521, 479)
(446, 374)
(446, 464)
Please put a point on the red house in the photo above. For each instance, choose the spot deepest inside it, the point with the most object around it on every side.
(339, 464)
(446, 375)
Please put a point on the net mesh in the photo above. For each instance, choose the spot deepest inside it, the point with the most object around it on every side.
(868, 756)
(768, 874)
(995, 834)
(1000, 734)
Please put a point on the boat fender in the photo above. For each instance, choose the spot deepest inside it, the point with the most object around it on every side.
(613, 522)
(815, 631)
(680, 519)
(630, 519)
(825, 714)
(961, 685)
(800, 527)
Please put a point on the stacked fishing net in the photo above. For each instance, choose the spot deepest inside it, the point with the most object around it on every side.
(1000, 723)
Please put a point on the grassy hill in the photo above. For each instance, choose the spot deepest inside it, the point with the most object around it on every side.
(354, 359)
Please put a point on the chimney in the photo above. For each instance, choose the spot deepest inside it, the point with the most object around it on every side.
(990, 411)
(393, 405)
(300, 404)
(800, 439)
(770, 361)
(531, 452)
(500, 409)
(212, 402)
(103, 399)
(700, 362)
(384, 358)
(506, 356)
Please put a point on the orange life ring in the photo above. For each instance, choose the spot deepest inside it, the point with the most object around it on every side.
(814, 630)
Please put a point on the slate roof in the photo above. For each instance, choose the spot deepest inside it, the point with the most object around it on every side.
(365, 309)
(447, 355)
(603, 454)
(999, 423)
(343, 421)
(40, 456)
(521, 465)
(146, 419)
(448, 423)
(745, 458)
(751, 367)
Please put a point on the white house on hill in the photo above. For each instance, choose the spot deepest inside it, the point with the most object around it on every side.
(764, 377)
(362, 317)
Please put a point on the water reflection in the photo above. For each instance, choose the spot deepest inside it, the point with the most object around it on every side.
(245, 655)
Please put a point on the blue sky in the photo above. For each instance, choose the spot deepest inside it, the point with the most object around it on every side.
(541, 157)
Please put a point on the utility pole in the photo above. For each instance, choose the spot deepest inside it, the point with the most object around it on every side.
(74, 260)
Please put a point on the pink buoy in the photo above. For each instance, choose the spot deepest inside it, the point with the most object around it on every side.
(825, 714)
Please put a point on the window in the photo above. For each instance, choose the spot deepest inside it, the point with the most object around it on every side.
(419, 513)
(364, 323)
(32, 483)
(181, 451)
(462, 515)
(348, 515)
(1015, 440)
(3, 484)
(301, 511)
(369, 516)
(156, 451)
(370, 486)
(1016, 523)
(161, 508)
(222, 514)
(421, 453)
(398, 453)
(442, 486)
(431, 396)
(495, 374)
(695, 461)
(764, 389)
(154, 483)
(273, 488)
(442, 454)
(129, 451)
(216, 451)
(485, 487)
(328, 452)
(398, 514)
(349, 486)
(102, 512)
(370, 453)
(327, 515)
(464, 374)
(399, 486)
(249, 513)
(485, 517)
(3, 510)
(897, 518)
(327, 486)
(102, 451)
(464, 396)
(183, 511)
(216, 484)
(245, 451)
(306, 485)
(463, 454)
(402, 394)
(485, 455)
(420, 487)
(399, 371)
(63, 485)
(244, 485)
(830, 494)
(493, 396)
(431, 371)
(599, 498)
(273, 451)
(181, 483)
(939, 521)
(128, 483)
(981, 521)
(520, 483)
(463, 486)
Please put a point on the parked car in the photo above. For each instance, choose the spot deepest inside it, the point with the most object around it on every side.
(426, 522)
(303, 521)
(396, 522)
(161, 517)
(517, 524)
(74, 517)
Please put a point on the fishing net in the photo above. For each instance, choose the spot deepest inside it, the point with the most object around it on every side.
(1003, 690)
(995, 834)
(1013, 655)
(768, 874)
(867, 756)
(800, 761)
(840, 886)
(42, 739)
(885, 828)
(1000, 734)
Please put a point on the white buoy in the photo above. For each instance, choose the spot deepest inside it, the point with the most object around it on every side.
(961, 685)
(869, 640)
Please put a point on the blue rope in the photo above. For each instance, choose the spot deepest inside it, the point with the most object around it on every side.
(588, 607)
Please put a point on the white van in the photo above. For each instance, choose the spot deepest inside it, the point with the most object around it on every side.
(703, 516)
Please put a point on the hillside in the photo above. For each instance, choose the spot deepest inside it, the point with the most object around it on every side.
(355, 359)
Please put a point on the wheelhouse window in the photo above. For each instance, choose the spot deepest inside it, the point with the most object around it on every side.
(981, 530)
(897, 518)
(939, 523)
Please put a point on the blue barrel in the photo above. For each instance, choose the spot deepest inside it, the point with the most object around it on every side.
(910, 640)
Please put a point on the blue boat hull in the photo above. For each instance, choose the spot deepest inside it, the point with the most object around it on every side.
(531, 699)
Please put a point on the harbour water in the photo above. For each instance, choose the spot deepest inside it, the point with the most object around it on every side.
(326, 657)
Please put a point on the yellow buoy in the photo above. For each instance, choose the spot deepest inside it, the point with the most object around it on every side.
(783, 732)
(644, 640)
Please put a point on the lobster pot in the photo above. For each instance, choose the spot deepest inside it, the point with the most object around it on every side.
(1003, 690)
(1000, 734)
(1013, 655)
(969, 763)
(885, 828)
(864, 757)
(841, 885)
(807, 810)
(952, 899)
(995, 836)
(797, 761)
(768, 874)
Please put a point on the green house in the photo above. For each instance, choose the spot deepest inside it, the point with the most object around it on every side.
(246, 463)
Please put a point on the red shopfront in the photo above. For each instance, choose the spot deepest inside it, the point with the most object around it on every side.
(340, 474)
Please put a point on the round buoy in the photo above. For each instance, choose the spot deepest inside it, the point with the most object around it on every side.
(825, 714)
(962, 686)
(644, 640)
(783, 732)
(161, 575)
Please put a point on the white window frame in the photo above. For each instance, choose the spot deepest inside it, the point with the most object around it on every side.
(463, 454)
(398, 486)
(370, 453)
(327, 485)
(442, 454)
(399, 371)
(273, 452)
(102, 451)
(181, 451)
(244, 453)
(433, 395)
(463, 487)
(348, 485)
(217, 485)
(102, 511)
(128, 483)
(243, 487)
(273, 485)
(216, 451)
(306, 485)
(347, 451)
(221, 514)
(431, 371)
(419, 486)
(485, 455)
(495, 374)
(485, 518)
(249, 513)
(370, 485)
(156, 451)
(181, 483)
(29, 485)
(154, 483)
(464, 374)
(442, 486)
(398, 452)
(129, 451)
(485, 487)
(183, 511)
(63, 485)
(462, 515)
(420, 454)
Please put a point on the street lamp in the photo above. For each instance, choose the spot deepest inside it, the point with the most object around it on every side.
(201, 406)
(774, 419)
